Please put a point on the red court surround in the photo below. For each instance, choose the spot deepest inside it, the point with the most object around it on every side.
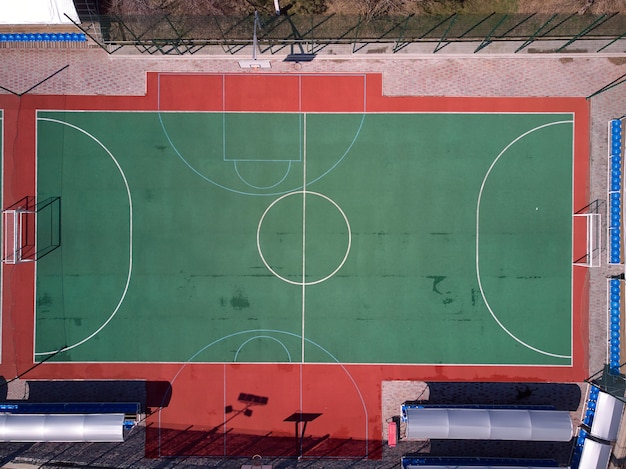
(347, 397)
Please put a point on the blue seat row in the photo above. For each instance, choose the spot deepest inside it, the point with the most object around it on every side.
(477, 462)
(615, 325)
(615, 191)
(590, 410)
(43, 37)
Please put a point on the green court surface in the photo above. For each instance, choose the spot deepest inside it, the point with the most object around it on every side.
(406, 238)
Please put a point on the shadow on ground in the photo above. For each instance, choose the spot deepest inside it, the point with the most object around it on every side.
(560, 396)
(149, 394)
(220, 442)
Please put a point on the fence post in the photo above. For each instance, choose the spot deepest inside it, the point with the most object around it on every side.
(588, 29)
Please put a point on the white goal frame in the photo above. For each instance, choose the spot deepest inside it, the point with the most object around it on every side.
(594, 240)
(13, 222)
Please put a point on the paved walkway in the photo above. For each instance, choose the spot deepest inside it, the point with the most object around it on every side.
(94, 72)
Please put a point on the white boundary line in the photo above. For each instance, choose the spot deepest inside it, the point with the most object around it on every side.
(223, 92)
(36, 266)
(141, 111)
(346, 363)
(303, 239)
(225, 419)
(573, 183)
(303, 297)
(302, 135)
(416, 365)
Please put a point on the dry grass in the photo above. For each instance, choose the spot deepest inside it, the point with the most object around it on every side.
(571, 6)
(447, 7)
(368, 8)
(180, 7)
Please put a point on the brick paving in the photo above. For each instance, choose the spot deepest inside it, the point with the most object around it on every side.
(92, 71)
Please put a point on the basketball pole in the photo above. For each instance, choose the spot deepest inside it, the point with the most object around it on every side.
(254, 63)
(255, 43)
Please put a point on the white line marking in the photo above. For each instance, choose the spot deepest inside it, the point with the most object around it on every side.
(291, 334)
(130, 248)
(480, 286)
(303, 236)
(36, 266)
(225, 420)
(263, 337)
(160, 114)
(285, 279)
(260, 187)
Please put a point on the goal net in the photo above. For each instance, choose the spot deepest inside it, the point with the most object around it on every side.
(31, 230)
(588, 220)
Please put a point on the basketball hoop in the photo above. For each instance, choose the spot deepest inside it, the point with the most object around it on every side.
(255, 64)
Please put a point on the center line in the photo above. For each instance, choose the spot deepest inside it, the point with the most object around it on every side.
(303, 230)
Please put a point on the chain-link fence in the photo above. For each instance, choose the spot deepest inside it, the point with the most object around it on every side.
(167, 34)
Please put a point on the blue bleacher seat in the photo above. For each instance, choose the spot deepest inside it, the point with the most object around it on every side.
(615, 206)
(50, 37)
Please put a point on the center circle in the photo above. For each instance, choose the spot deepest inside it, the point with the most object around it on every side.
(299, 235)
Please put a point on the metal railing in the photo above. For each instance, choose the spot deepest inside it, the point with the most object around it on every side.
(166, 34)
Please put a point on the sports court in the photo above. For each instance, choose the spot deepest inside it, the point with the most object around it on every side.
(297, 239)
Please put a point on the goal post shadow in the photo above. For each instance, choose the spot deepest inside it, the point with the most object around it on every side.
(31, 230)
(48, 226)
